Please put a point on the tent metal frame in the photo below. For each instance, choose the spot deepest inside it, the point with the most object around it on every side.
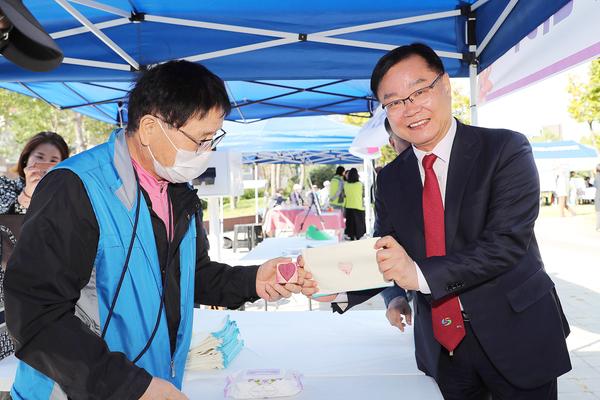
(279, 38)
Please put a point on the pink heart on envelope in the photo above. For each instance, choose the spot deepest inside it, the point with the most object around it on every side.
(345, 267)
(287, 270)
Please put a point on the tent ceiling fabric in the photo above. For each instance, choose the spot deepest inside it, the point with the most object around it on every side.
(287, 46)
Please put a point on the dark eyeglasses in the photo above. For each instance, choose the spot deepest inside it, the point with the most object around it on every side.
(419, 96)
(204, 144)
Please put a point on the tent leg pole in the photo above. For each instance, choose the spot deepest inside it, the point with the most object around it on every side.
(255, 194)
(474, 88)
(215, 233)
(368, 170)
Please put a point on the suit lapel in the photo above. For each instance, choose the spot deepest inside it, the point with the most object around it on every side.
(465, 149)
(409, 194)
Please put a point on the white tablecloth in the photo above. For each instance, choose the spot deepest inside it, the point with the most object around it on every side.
(357, 355)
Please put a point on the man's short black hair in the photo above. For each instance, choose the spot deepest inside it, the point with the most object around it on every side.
(176, 91)
(401, 53)
(340, 170)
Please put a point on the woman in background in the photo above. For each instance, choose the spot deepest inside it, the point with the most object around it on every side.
(41, 153)
(353, 204)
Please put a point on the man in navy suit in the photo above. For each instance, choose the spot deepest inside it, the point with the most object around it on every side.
(456, 213)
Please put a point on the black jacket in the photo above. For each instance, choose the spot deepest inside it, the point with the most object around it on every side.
(53, 261)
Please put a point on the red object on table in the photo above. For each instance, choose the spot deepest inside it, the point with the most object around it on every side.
(281, 219)
(331, 220)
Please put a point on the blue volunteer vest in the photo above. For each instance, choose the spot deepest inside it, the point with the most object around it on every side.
(107, 174)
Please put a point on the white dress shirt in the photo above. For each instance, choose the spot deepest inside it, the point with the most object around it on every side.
(442, 150)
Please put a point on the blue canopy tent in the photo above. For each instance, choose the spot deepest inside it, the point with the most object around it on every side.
(298, 140)
(553, 158)
(279, 58)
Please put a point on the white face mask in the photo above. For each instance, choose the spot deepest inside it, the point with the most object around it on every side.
(188, 165)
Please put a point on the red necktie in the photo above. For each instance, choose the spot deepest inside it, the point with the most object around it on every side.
(448, 325)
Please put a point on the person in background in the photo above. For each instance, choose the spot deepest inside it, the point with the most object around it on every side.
(313, 198)
(397, 300)
(336, 189)
(40, 153)
(277, 199)
(562, 192)
(397, 143)
(573, 191)
(597, 198)
(101, 286)
(354, 206)
(296, 197)
(324, 195)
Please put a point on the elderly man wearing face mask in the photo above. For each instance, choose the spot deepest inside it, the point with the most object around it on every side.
(101, 286)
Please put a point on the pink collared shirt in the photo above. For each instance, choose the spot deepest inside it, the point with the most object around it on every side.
(157, 191)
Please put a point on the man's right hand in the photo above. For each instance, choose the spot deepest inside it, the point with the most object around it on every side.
(162, 390)
(398, 312)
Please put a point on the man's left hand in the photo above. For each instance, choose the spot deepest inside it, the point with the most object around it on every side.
(268, 288)
(395, 264)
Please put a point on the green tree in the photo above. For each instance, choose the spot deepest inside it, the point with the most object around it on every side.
(21, 117)
(548, 134)
(321, 173)
(585, 97)
(461, 105)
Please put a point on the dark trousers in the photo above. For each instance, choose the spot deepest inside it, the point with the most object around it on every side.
(470, 375)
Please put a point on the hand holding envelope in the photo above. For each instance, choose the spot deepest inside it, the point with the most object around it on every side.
(359, 265)
(395, 264)
(344, 267)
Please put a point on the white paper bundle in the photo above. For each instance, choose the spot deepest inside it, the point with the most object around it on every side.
(216, 349)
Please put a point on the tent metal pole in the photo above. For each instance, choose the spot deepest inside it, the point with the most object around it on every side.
(96, 103)
(473, 93)
(390, 23)
(84, 29)
(367, 197)
(102, 7)
(96, 64)
(84, 99)
(240, 49)
(371, 45)
(478, 4)
(255, 193)
(221, 27)
(36, 95)
(98, 33)
(215, 233)
(486, 40)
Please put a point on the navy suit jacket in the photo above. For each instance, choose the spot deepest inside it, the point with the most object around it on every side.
(493, 262)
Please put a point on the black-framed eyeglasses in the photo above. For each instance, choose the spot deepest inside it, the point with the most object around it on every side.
(204, 144)
(418, 96)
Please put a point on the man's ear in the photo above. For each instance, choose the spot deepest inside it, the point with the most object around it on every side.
(146, 129)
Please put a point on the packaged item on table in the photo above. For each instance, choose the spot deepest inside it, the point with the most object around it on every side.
(263, 384)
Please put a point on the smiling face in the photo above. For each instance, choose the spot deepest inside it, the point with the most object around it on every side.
(423, 122)
(44, 153)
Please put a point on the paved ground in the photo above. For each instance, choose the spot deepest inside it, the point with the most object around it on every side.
(571, 251)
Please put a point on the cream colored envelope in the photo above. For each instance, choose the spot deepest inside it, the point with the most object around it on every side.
(344, 267)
